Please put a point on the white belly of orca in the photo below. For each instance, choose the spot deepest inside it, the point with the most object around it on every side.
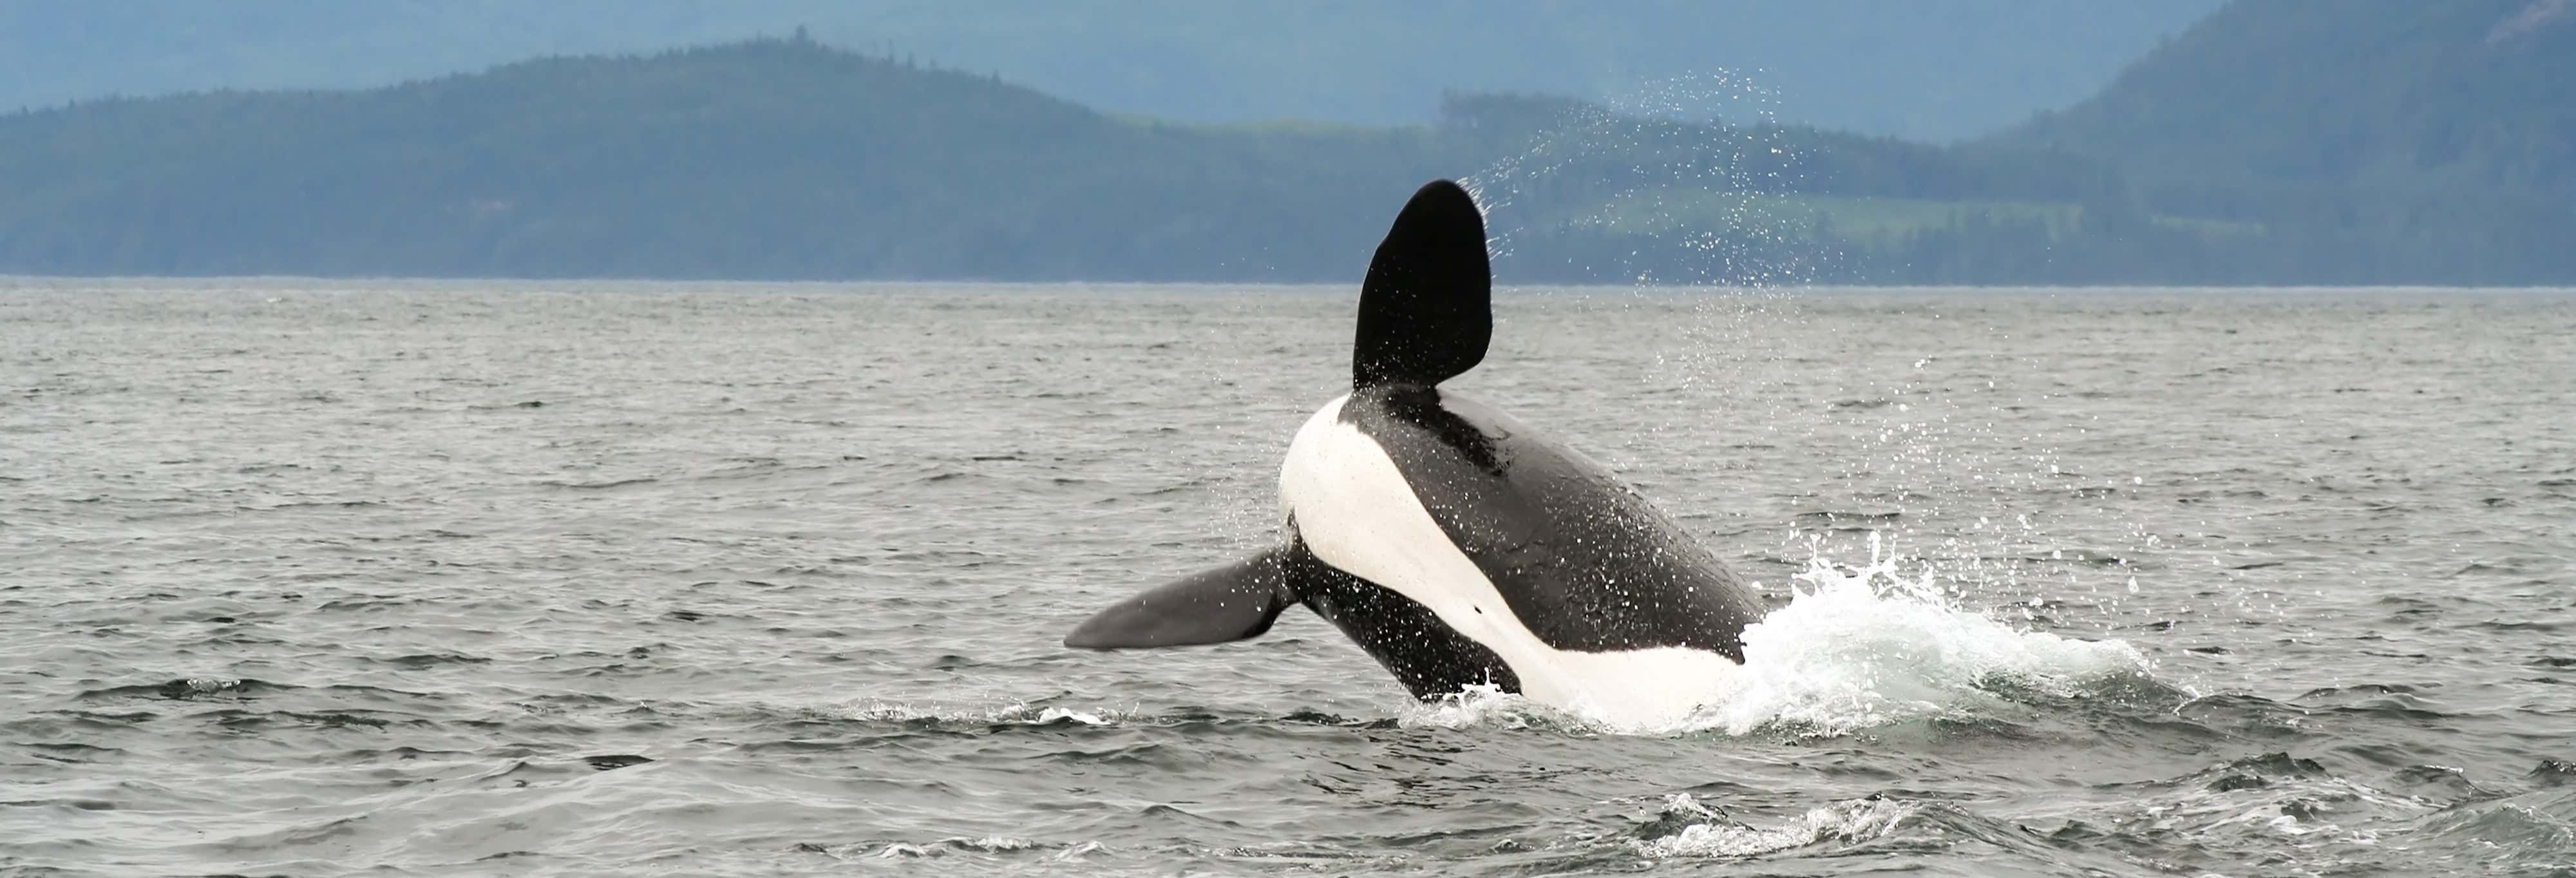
(1356, 512)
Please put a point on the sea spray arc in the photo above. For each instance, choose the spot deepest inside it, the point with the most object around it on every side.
(1456, 545)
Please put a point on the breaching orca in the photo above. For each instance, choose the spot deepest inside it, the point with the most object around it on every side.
(1454, 544)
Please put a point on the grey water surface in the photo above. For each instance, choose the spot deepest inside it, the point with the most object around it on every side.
(516, 578)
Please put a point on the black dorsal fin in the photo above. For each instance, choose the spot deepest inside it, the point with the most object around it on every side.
(1426, 309)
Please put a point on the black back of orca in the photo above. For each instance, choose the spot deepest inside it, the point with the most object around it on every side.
(1586, 563)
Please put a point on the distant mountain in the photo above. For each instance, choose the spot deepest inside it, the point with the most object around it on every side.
(774, 159)
(2449, 96)
(1924, 69)
(2387, 140)
(785, 158)
(790, 159)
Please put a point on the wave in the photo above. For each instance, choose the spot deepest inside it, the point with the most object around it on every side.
(1707, 832)
(1017, 713)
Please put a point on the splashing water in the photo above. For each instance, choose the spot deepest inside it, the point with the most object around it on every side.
(1872, 647)
(1853, 650)
(1686, 171)
(1485, 705)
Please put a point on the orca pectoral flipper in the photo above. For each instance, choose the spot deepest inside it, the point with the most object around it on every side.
(1222, 604)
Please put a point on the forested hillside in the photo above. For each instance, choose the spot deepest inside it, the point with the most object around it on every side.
(2460, 95)
(775, 159)
(786, 158)
(789, 159)
(2369, 139)
(1851, 64)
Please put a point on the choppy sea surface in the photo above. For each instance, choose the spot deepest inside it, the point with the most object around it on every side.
(316, 578)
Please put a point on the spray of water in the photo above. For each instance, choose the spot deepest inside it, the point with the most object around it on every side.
(1864, 647)
(1684, 175)
(1855, 648)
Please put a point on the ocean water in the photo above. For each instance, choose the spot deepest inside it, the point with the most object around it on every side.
(311, 578)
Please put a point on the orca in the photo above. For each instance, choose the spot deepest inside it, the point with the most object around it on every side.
(1454, 544)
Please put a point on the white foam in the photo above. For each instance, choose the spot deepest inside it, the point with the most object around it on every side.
(1015, 713)
(1491, 706)
(991, 844)
(1872, 646)
(1854, 649)
(1853, 821)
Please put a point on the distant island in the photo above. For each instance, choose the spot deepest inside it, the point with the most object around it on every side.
(2365, 142)
(1845, 64)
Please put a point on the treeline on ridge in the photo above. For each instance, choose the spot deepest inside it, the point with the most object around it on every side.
(785, 159)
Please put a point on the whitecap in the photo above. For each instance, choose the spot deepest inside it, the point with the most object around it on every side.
(1713, 835)
(1014, 713)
